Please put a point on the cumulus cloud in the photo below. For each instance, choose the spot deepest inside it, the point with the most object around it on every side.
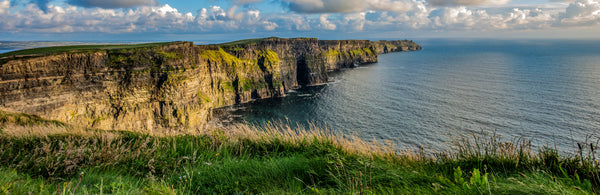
(389, 5)
(354, 16)
(460, 18)
(464, 18)
(346, 6)
(326, 24)
(419, 18)
(466, 2)
(233, 14)
(292, 22)
(580, 13)
(112, 3)
(4, 5)
(157, 19)
(356, 21)
(300, 23)
(269, 26)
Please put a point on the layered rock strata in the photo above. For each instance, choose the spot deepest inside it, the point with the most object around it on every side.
(174, 85)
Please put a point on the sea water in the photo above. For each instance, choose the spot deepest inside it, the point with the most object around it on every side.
(544, 90)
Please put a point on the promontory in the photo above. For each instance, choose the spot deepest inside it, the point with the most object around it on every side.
(169, 85)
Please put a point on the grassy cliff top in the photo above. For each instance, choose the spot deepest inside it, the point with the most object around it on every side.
(71, 48)
(43, 157)
(245, 41)
(60, 49)
(250, 41)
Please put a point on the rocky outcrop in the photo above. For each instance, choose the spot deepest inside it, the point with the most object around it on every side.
(172, 85)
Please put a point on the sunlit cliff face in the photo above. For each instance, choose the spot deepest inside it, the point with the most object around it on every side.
(170, 85)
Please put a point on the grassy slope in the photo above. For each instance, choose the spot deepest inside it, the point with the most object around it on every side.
(40, 156)
(59, 49)
(243, 42)
(250, 41)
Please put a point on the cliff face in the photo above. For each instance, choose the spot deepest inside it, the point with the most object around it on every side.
(139, 88)
(171, 86)
(383, 47)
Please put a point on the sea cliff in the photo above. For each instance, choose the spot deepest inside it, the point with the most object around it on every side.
(172, 85)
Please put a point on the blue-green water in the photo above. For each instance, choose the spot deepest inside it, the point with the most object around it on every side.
(547, 90)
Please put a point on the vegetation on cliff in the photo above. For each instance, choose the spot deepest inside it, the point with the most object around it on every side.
(244, 42)
(220, 56)
(75, 48)
(42, 157)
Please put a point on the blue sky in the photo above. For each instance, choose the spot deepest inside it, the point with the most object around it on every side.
(216, 20)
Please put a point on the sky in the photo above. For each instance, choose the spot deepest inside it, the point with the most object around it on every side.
(198, 20)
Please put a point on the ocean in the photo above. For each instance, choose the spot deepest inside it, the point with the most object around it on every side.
(544, 90)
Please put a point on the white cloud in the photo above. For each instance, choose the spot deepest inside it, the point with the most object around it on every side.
(422, 17)
(459, 17)
(292, 22)
(326, 24)
(4, 5)
(390, 5)
(113, 3)
(231, 12)
(419, 18)
(467, 2)
(347, 6)
(462, 18)
(218, 13)
(581, 13)
(269, 26)
(432, 19)
(355, 21)
(528, 19)
(164, 10)
(254, 13)
(300, 23)
(161, 19)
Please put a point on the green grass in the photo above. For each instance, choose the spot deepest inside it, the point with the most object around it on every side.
(362, 51)
(234, 44)
(60, 49)
(332, 53)
(170, 55)
(274, 159)
(267, 58)
(25, 119)
(220, 56)
(245, 42)
(249, 84)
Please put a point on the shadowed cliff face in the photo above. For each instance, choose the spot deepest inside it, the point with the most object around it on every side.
(172, 86)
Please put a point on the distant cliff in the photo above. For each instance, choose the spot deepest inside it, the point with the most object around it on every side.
(383, 47)
(172, 85)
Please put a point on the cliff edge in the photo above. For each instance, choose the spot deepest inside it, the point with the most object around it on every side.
(170, 85)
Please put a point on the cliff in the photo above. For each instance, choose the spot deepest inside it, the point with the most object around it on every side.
(171, 85)
(383, 47)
